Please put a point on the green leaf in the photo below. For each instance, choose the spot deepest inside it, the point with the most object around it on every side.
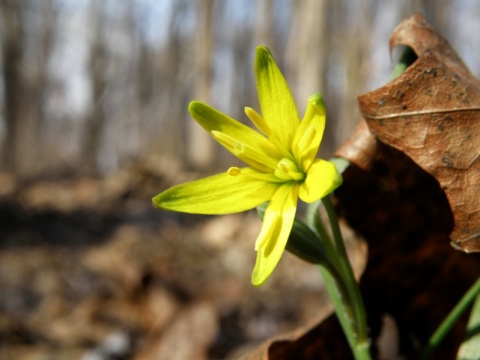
(470, 348)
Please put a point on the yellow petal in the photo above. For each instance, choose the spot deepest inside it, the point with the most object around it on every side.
(278, 107)
(310, 132)
(248, 154)
(213, 120)
(276, 228)
(322, 178)
(218, 194)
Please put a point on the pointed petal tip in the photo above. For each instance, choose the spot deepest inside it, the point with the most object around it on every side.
(263, 57)
(258, 280)
(263, 49)
(277, 105)
(194, 107)
(158, 200)
(317, 100)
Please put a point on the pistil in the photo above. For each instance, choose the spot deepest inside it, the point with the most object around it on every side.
(287, 170)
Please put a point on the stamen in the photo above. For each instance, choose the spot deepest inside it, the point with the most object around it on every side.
(234, 171)
(258, 121)
(283, 167)
(225, 140)
(244, 151)
(270, 177)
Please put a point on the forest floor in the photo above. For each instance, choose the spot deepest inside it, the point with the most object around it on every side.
(90, 270)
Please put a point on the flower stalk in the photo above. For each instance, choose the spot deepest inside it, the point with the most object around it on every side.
(339, 278)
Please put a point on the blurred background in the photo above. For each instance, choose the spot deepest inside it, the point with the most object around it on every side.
(89, 86)
(94, 122)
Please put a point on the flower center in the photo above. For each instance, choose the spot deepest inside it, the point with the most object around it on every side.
(287, 170)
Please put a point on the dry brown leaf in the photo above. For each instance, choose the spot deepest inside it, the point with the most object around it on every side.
(360, 147)
(432, 114)
(321, 339)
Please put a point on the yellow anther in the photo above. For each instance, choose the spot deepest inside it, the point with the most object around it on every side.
(283, 167)
(234, 171)
(288, 170)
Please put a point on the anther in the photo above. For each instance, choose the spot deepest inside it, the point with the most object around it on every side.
(234, 171)
(288, 170)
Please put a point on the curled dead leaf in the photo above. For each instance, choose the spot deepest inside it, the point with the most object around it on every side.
(432, 114)
(321, 339)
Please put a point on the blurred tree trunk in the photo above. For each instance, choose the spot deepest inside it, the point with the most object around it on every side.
(169, 114)
(355, 40)
(306, 51)
(26, 82)
(12, 51)
(439, 16)
(264, 24)
(98, 67)
(34, 154)
(200, 144)
(307, 56)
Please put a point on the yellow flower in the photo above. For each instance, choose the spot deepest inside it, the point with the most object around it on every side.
(282, 165)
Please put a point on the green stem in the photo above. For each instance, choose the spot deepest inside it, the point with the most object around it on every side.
(363, 339)
(337, 235)
(345, 313)
(315, 222)
(332, 274)
(451, 319)
(339, 296)
(338, 275)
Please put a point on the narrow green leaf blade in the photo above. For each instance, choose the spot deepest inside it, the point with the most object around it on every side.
(470, 348)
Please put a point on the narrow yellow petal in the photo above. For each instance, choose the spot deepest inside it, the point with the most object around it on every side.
(213, 120)
(310, 132)
(250, 155)
(234, 191)
(278, 107)
(276, 228)
(322, 178)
